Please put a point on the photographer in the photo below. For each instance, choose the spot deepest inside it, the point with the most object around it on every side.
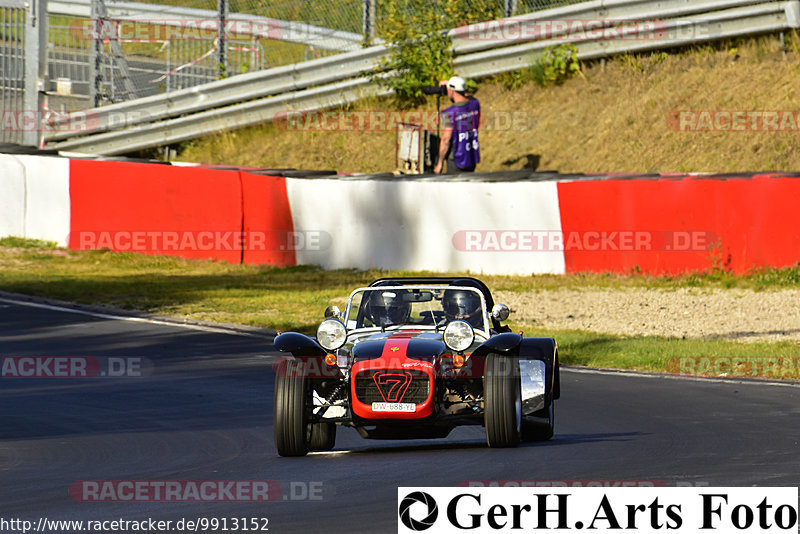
(459, 142)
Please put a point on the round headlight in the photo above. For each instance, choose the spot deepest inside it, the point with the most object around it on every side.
(459, 336)
(331, 334)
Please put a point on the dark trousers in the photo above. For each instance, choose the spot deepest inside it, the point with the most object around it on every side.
(452, 168)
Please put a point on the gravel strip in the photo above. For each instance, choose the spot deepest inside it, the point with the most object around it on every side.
(737, 314)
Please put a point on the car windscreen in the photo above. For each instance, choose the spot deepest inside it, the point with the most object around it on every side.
(411, 305)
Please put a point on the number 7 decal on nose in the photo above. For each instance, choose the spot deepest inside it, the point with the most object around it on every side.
(392, 385)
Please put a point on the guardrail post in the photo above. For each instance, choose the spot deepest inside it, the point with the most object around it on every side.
(222, 66)
(35, 40)
(370, 21)
(509, 7)
(94, 57)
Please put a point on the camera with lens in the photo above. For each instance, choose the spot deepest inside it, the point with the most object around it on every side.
(434, 90)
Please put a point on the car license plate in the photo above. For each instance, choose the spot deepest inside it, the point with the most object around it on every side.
(394, 407)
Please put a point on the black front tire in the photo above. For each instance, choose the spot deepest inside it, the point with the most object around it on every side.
(290, 422)
(323, 437)
(502, 415)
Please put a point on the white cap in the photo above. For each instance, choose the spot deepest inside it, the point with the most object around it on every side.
(457, 83)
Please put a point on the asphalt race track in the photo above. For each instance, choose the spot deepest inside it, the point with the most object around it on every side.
(201, 410)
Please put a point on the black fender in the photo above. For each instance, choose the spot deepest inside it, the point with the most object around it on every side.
(300, 345)
(506, 343)
(310, 352)
(544, 349)
(527, 348)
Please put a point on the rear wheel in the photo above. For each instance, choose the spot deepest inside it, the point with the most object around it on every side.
(502, 403)
(323, 437)
(290, 421)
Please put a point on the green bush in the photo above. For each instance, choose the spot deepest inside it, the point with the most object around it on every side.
(513, 80)
(420, 51)
(557, 64)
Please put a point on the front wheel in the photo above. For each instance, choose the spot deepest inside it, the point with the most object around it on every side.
(290, 421)
(323, 437)
(502, 415)
(541, 425)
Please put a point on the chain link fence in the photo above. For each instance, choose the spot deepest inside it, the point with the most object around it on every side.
(21, 69)
(527, 6)
(102, 51)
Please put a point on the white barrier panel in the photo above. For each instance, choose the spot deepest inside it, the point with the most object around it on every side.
(48, 211)
(427, 225)
(34, 197)
(12, 196)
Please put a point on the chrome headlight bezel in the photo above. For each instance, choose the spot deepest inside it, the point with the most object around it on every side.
(459, 335)
(331, 334)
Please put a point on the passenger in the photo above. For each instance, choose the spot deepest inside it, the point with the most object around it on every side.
(461, 303)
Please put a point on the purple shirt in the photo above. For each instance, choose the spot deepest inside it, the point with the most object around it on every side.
(464, 120)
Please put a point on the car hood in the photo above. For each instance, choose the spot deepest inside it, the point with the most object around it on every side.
(416, 345)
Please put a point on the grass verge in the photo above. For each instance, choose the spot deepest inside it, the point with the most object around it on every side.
(713, 357)
(294, 298)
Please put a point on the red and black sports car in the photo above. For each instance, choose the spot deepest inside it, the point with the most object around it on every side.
(413, 358)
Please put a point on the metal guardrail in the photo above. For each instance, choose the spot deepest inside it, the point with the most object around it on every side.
(223, 119)
(237, 89)
(245, 24)
(328, 82)
(610, 11)
(751, 20)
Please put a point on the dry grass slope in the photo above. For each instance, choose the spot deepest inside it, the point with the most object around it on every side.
(611, 119)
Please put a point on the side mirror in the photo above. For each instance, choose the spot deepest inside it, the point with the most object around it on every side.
(500, 312)
(333, 312)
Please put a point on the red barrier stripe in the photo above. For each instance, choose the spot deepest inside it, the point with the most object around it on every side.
(155, 209)
(750, 222)
(267, 226)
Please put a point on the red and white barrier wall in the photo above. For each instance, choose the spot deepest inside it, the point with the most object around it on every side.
(661, 224)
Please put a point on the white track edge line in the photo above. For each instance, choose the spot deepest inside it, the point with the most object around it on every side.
(719, 380)
(99, 315)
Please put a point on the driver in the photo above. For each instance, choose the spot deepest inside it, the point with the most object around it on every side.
(388, 307)
(462, 304)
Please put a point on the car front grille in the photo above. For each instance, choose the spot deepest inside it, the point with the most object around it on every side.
(392, 385)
